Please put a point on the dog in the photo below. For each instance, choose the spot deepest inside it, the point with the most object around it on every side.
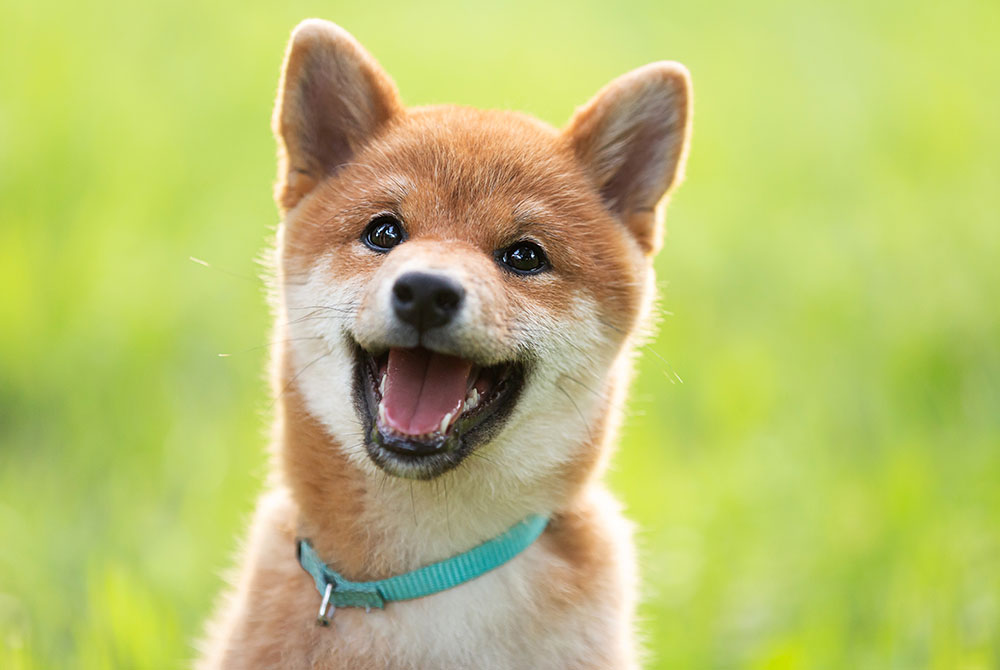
(458, 295)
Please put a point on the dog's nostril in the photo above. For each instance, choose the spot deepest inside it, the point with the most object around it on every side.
(447, 300)
(402, 292)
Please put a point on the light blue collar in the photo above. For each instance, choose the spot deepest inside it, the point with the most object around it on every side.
(340, 592)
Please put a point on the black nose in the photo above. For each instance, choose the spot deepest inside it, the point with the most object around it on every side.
(426, 300)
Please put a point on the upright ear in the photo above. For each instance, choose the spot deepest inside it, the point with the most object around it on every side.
(632, 138)
(332, 98)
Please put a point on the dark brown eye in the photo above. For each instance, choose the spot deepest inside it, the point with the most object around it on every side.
(383, 233)
(524, 258)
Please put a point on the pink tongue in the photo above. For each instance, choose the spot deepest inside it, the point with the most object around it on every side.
(421, 388)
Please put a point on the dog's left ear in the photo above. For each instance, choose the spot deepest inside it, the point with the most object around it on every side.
(332, 99)
(632, 139)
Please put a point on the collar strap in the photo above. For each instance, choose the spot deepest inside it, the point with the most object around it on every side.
(340, 592)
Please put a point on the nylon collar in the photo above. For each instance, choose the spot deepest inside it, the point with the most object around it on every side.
(434, 578)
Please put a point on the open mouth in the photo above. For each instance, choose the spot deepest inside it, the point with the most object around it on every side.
(425, 411)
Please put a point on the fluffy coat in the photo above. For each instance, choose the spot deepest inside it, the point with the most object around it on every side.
(466, 182)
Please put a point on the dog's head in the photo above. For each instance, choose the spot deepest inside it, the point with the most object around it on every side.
(459, 283)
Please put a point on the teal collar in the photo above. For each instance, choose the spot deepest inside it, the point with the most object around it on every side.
(340, 592)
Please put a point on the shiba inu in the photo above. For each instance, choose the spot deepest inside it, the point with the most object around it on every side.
(457, 299)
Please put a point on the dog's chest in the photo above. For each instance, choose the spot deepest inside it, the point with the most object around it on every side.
(529, 613)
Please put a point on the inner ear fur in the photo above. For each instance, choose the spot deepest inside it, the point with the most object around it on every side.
(333, 98)
(632, 139)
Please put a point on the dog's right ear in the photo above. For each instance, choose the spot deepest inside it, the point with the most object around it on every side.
(332, 98)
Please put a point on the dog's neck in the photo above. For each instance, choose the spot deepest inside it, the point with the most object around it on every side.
(369, 525)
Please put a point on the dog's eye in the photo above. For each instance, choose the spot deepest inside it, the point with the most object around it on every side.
(383, 233)
(526, 258)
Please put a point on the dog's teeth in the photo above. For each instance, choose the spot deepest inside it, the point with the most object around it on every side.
(445, 421)
(472, 400)
(381, 413)
(381, 385)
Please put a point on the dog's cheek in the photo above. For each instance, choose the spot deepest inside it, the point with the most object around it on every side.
(321, 358)
(558, 418)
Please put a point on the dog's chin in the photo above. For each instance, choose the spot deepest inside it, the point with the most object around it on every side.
(493, 392)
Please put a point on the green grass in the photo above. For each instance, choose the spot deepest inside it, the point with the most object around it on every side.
(820, 492)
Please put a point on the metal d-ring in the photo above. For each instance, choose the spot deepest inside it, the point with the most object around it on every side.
(326, 608)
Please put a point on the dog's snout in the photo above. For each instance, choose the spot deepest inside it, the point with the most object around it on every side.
(426, 300)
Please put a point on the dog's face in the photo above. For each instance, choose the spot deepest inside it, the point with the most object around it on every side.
(458, 283)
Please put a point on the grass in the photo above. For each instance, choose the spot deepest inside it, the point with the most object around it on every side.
(819, 492)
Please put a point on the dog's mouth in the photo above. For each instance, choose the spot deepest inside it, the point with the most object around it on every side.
(425, 411)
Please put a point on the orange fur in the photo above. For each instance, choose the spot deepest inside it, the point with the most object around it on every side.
(466, 182)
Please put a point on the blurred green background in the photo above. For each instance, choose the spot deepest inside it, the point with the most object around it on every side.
(821, 491)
